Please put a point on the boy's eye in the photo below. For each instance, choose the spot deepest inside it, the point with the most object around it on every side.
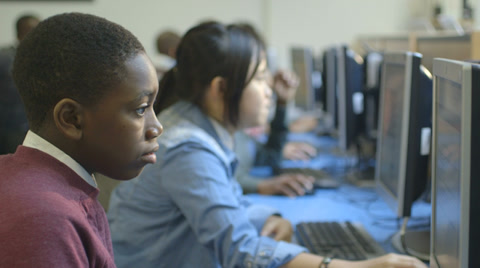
(141, 110)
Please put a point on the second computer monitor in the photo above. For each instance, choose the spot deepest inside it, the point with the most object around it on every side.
(403, 143)
(350, 85)
(373, 63)
(302, 64)
(404, 131)
(329, 74)
(455, 170)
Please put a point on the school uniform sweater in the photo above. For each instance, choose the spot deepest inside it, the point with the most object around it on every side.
(49, 215)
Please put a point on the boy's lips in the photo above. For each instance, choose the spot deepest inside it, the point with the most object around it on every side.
(150, 157)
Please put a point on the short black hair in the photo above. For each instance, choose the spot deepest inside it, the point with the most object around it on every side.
(71, 55)
(167, 40)
(208, 50)
(24, 24)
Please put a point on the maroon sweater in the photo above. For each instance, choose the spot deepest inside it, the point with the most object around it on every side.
(49, 216)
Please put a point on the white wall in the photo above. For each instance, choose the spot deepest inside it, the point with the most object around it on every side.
(321, 23)
(315, 23)
(145, 18)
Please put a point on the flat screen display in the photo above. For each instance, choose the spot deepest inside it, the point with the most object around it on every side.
(393, 103)
(447, 170)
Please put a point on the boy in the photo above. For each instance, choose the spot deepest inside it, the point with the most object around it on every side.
(88, 89)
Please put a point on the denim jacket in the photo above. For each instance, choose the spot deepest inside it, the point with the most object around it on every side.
(187, 210)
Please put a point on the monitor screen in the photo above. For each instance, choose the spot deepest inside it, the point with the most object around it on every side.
(447, 169)
(454, 190)
(302, 65)
(393, 118)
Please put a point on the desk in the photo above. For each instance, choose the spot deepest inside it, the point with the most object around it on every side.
(347, 203)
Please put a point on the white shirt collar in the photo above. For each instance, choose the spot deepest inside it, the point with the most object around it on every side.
(223, 134)
(32, 140)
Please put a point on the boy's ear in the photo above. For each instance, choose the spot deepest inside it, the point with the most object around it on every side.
(68, 117)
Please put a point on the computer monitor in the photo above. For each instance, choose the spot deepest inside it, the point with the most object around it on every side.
(350, 83)
(322, 91)
(455, 171)
(302, 65)
(363, 173)
(329, 76)
(373, 64)
(403, 141)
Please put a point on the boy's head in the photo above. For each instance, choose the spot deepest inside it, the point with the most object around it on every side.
(88, 86)
(25, 24)
(167, 43)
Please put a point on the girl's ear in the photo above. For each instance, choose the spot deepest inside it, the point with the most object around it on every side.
(68, 117)
(214, 98)
(218, 85)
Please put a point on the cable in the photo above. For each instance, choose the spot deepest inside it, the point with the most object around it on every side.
(403, 230)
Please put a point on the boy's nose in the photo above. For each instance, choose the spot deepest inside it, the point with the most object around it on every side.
(154, 131)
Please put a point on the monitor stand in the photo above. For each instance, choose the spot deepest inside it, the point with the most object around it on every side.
(364, 177)
(417, 243)
(363, 174)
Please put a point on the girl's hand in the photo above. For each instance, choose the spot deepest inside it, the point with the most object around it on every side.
(278, 228)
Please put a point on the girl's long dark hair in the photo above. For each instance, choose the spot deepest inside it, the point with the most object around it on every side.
(206, 51)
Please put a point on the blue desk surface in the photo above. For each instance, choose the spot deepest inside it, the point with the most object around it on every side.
(347, 203)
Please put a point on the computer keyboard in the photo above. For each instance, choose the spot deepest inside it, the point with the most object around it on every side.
(323, 180)
(342, 240)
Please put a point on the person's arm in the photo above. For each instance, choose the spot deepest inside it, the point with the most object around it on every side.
(298, 151)
(205, 192)
(286, 184)
(249, 183)
(306, 260)
(270, 153)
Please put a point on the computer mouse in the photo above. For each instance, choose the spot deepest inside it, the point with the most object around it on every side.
(326, 183)
(310, 191)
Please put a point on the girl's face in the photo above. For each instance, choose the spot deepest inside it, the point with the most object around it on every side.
(256, 99)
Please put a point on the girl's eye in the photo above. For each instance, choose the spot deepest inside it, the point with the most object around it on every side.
(261, 77)
(141, 111)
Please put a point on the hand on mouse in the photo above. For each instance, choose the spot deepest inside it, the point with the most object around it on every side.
(286, 184)
(298, 151)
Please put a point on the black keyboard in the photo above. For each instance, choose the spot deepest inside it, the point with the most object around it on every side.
(342, 240)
